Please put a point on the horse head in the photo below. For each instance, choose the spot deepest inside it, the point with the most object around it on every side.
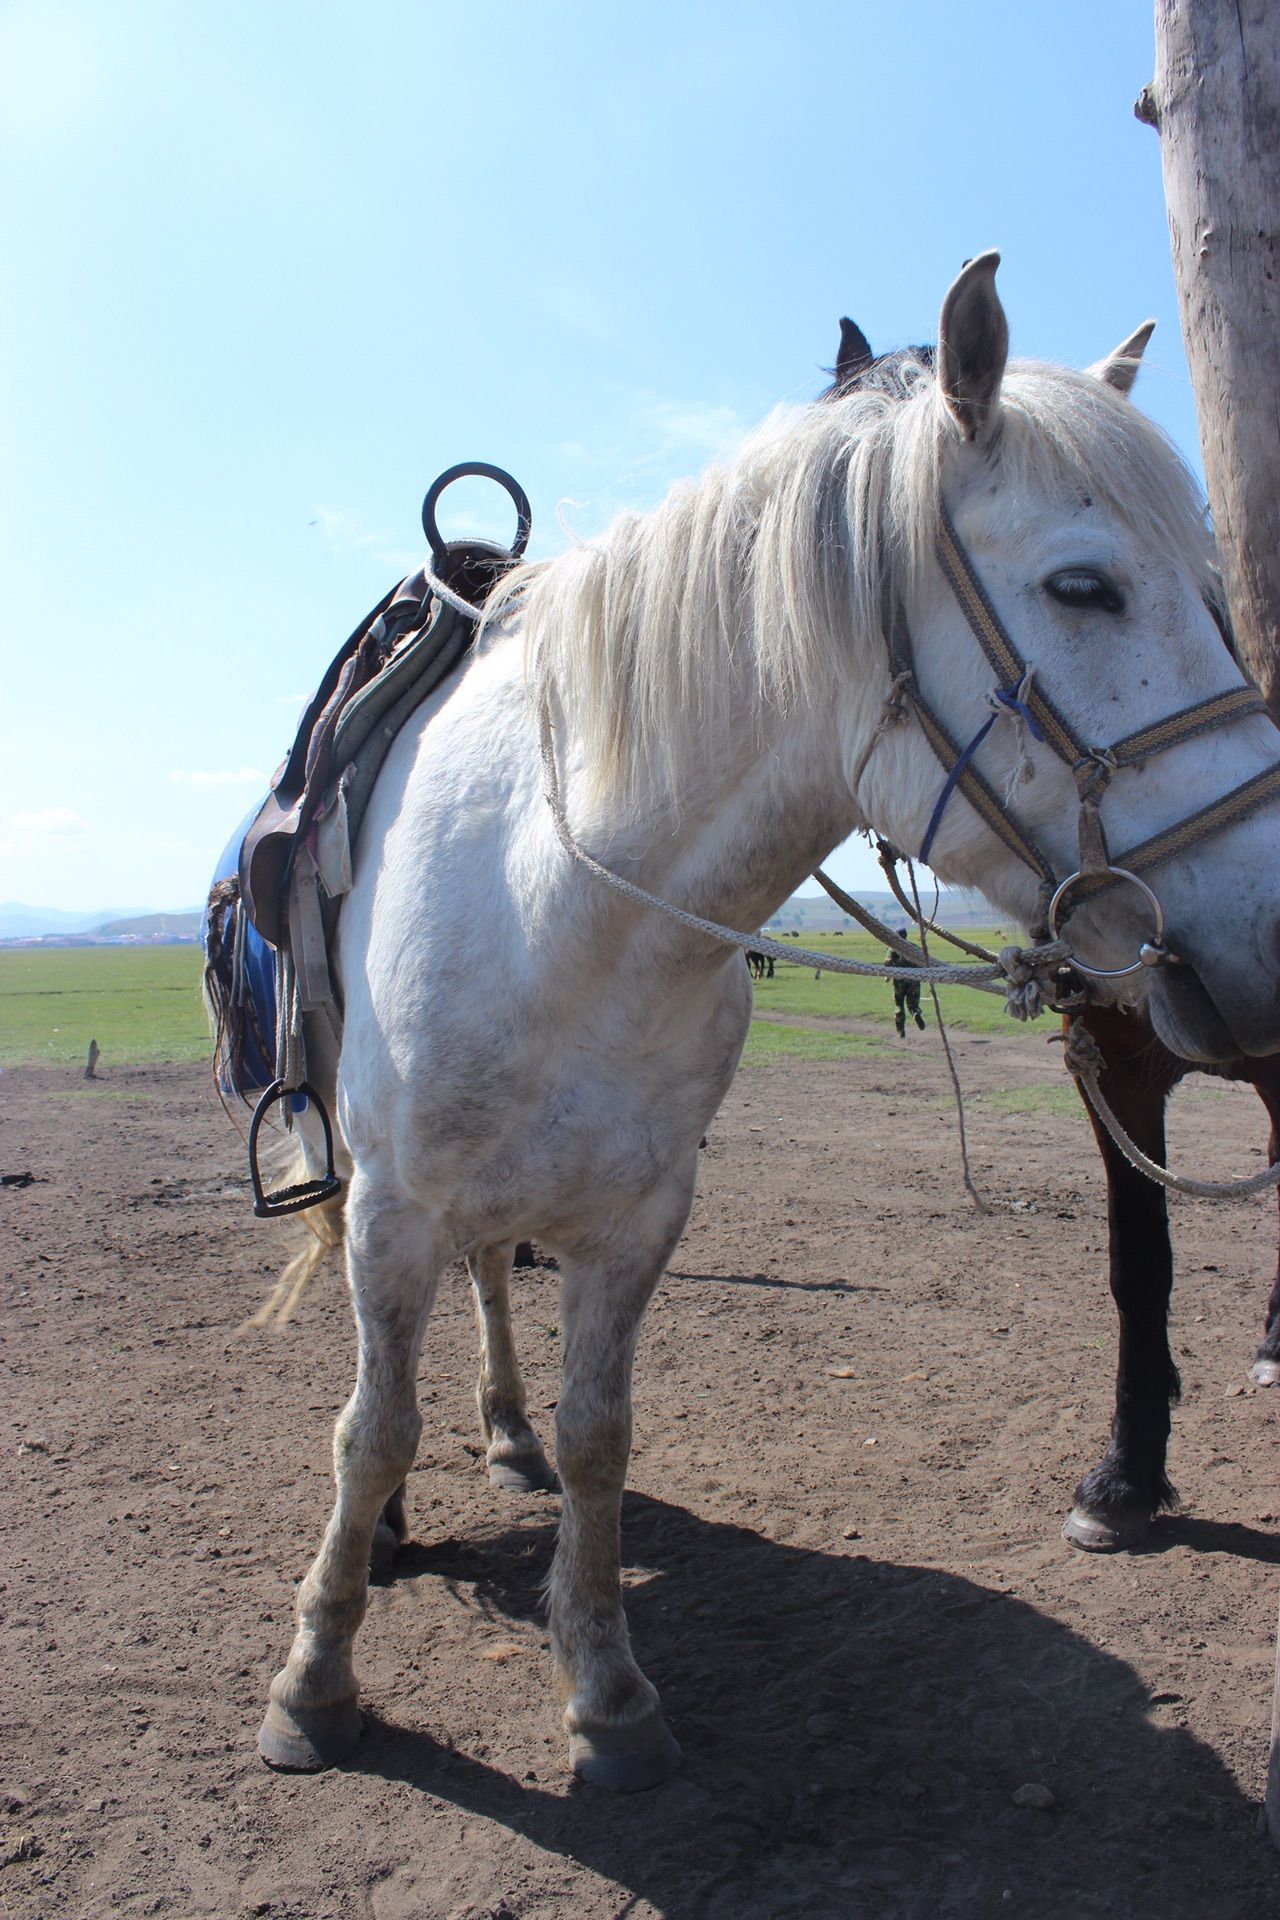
(1044, 493)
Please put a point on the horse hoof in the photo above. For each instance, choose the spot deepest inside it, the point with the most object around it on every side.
(1096, 1534)
(626, 1759)
(529, 1474)
(1266, 1373)
(307, 1740)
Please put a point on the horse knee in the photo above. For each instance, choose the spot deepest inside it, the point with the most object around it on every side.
(379, 1443)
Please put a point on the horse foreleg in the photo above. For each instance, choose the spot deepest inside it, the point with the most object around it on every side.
(1117, 1500)
(514, 1453)
(617, 1736)
(1264, 1075)
(312, 1719)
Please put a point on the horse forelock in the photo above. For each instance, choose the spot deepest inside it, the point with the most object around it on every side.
(757, 592)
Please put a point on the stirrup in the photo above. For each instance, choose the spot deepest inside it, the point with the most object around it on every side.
(306, 1193)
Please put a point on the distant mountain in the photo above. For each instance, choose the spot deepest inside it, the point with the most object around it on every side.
(21, 922)
(153, 926)
(816, 913)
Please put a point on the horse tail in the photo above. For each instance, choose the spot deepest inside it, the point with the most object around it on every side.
(241, 1049)
(314, 1235)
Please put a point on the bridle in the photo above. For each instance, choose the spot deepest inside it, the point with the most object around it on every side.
(1091, 766)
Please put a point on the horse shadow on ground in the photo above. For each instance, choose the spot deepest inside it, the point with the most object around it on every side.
(854, 1734)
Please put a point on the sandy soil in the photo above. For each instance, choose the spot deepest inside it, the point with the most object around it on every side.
(861, 1411)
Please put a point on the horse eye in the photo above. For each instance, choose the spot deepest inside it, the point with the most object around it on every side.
(1085, 591)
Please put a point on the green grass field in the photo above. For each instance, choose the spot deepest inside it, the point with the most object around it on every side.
(142, 1004)
(794, 990)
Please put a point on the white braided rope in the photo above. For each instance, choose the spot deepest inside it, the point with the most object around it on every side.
(1082, 1058)
(452, 599)
(985, 979)
(1201, 1189)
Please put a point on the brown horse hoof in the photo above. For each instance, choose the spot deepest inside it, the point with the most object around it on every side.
(307, 1740)
(1266, 1373)
(530, 1473)
(1110, 1534)
(626, 1759)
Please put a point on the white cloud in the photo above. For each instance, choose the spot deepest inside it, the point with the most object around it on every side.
(53, 827)
(344, 532)
(239, 777)
(695, 427)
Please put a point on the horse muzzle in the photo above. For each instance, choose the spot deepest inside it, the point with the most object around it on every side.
(1190, 1014)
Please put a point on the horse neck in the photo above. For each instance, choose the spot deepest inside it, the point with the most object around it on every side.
(751, 823)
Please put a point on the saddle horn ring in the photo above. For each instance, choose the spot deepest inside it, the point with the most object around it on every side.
(484, 471)
(1152, 953)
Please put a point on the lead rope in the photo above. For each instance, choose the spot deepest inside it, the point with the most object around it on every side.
(1082, 1058)
(980, 1205)
(989, 979)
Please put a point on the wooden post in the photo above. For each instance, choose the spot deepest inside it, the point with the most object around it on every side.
(1215, 102)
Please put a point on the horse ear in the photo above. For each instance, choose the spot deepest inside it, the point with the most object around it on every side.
(855, 354)
(973, 345)
(1120, 369)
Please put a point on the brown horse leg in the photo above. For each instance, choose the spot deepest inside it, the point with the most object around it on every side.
(1116, 1501)
(1265, 1076)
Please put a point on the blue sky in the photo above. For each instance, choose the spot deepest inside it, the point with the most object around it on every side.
(270, 267)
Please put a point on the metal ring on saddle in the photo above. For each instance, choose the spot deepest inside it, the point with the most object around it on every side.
(481, 468)
(1152, 953)
(307, 1193)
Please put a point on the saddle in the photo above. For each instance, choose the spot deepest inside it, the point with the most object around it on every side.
(295, 860)
(410, 642)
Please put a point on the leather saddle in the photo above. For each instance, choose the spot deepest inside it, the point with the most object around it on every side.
(404, 648)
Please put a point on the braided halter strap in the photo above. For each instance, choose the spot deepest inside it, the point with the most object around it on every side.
(1091, 766)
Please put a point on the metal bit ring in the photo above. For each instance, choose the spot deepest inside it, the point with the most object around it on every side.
(1152, 953)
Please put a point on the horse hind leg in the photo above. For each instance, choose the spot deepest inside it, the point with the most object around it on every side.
(514, 1453)
(389, 1535)
(312, 1719)
(1265, 1075)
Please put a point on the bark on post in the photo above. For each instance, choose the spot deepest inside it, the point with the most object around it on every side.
(1215, 100)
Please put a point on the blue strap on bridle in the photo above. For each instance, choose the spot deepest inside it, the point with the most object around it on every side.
(1007, 703)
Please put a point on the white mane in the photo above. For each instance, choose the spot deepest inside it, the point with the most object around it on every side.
(757, 591)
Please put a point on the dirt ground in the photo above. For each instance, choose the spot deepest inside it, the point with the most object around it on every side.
(860, 1414)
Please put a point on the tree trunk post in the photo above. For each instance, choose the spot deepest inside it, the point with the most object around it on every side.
(1215, 100)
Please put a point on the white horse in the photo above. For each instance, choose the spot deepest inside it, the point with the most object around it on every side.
(527, 1053)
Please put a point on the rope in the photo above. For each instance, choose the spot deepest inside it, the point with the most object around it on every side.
(888, 857)
(980, 1204)
(986, 979)
(450, 598)
(1082, 1058)
(866, 919)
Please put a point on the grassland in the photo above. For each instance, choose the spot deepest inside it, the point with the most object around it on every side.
(142, 1004)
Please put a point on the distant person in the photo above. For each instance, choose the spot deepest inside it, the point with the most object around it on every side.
(906, 993)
